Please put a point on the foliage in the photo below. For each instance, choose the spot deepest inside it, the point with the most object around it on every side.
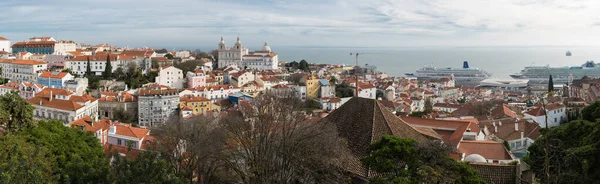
(379, 94)
(462, 100)
(15, 112)
(147, 167)
(68, 70)
(303, 65)
(295, 78)
(312, 104)
(569, 152)
(125, 116)
(119, 73)
(401, 160)
(154, 64)
(188, 65)
(107, 74)
(78, 157)
(550, 84)
(333, 80)
(343, 90)
(428, 105)
(169, 56)
(88, 69)
(200, 54)
(591, 112)
(23, 162)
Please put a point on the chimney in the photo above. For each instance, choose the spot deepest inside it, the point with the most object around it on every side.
(516, 125)
(522, 140)
(51, 96)
(494, 123)
(499, 123)
(113, 129)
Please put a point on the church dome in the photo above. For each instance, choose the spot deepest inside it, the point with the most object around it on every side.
(266, 47)
(475, 158)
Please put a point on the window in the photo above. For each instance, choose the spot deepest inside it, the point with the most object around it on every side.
(119, 142)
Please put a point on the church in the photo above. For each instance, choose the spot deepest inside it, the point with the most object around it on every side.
(238, 55)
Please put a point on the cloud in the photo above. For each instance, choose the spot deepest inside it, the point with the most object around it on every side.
(200, 23)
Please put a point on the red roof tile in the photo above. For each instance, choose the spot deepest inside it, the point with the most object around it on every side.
(486, 148)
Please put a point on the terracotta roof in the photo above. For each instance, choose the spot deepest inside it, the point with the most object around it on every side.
(129, 131)
(270, 79)
(55, 91)
(138, 53)
(216, 87)
(539, 110)
(190, 98)
(507, 131)
(83, 98)
(22, 62)
(363, 121)
(90, 125)
(488, 149)
(160, 59)
(34, 43)
(129, 153)
(55, 103)
(451, 130)
(2, 38)
(53, 75)
(97, 57)
(159, 92)
(503, 111)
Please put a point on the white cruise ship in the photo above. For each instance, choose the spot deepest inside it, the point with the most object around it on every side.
(464, 76)
(560, 75)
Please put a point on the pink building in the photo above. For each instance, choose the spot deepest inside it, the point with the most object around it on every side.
(196, 78)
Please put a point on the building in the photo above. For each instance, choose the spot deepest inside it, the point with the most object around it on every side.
(213, 93)
(196, 78)
(63, 105)
(22, 70)
(327, 90)
(556, 114)
(77, 85)
(171, 77)
(113, 102)
(125, 135)
(365, 90)
(238, 55)
(64, 47)
(518, 133)
(313, 86)
(36, 45)
(330, 104)
(198, 105)
(78, 64)
(26, 90)
(5, 45)
(241, 78)
(55, 61)
(54, 79)
(155, 106)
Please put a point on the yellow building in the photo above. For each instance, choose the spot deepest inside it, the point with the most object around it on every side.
(199, 105)
(313, 86)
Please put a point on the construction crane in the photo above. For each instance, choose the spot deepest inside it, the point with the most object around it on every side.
(356, 69)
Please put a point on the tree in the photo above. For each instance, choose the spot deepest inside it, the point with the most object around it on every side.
(215, 54)
(15, 112)
(147, 167)
(379, 94)
(163, 50)
(343, 90)
(108, 69)
(462, 100)
(88, 69)
(313, 104)
(169, 56)
(401, 160)
(303, 65)
(550, 84)
(428, 105)
(333, 80)
(125, 116)
(591, 112)
(275, 143)
(23, 162)
(120, 74)
(68, 70)
(572, 153)
(78, 157)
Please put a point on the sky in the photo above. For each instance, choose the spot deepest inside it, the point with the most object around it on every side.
(306, 23)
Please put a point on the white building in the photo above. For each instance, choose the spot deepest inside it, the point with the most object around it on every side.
(63, 105)
(183, 54)
(241, 78)
(156, 106)
(78, 64)
(556, 114)
(171, 77)
(5, 45)
(22, 70)
(239, 56)
(213, 93)
(64, 47)
(365, 90)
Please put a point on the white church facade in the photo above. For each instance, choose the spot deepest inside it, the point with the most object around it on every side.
(238, 55)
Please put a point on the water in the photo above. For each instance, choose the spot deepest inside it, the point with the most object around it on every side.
(500, 61)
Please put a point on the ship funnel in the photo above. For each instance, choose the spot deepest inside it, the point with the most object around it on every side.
(466, 64)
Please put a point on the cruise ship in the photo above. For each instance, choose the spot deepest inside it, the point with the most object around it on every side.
(464, 76)
(560, 75)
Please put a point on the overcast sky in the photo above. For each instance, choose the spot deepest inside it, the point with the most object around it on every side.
(340, 23)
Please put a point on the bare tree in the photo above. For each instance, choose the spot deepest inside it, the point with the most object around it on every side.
(273, 141)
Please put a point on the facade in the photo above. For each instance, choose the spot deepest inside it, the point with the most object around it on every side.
(111, 102)
(63, 47)
(77, 85)
(78, 64)
(55, 61)
(327, 90)
(35, 45)
(556, 114)
(213, 93)
(5, 45)
(313, 86)
(198, 105)
(63, 105)
(22, 70)
(171, 77)
(196, 78)
(330, 104)
(239, 56)
(242, 78)
(365, 90)
(156, 106)
(54, 79)
(124, 135)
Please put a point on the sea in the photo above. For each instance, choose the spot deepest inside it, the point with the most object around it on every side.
(500, 61)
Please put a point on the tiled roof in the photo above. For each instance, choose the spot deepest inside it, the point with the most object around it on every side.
(97, 57)
(487, 148)
(129, 131)
(496, 173)
(55, 103)
(363, 121)
(190, 98)
(158, 92)
(2, 38)
(83, 98)
(451, 130)
(90, 125)
(539, 110)
(34, 43)
(53, 75)
(55, 91)
(503, 111)
(22, 62)
(160, 59)
(507, 131)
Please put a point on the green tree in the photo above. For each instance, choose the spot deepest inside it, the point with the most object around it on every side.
(147, 167)
(343, 90)
(126, 116)
(462, 100)
(107, 74)
(379, 94)
(88, 69)
(428, 105)
(169, 56)
(120, 74)
(550, 84)
(23, 162)
(591, 112)
(303, 65)
(78, 155)
(333, 80)
(312, 104)
(572, 153)
(401, 160)
(15, 112)
(68, 70)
